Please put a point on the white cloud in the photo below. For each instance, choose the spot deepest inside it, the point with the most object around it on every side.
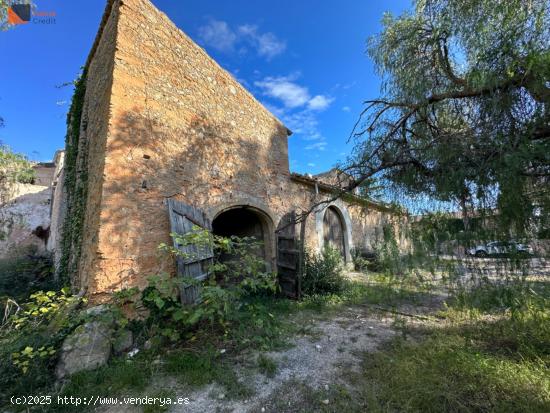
(299, 110)
(291, 94)
(270, 46)
(267, 44)
(302, 123)
(349, 85)
(346, 109)
(319, 102)
(218, 34)
(311, 164)
(248, 30)
(321, 146)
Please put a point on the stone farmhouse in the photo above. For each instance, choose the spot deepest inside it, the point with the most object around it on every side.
(162, 138)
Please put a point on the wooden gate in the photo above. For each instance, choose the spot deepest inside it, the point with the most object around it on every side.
(197, 258)
(288, 257)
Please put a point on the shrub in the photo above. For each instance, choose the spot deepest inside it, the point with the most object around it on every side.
(323, 273)
(267, 366)
(30, 339)
(230, 286)
(22, 276)
(364, 260)
(14, 168)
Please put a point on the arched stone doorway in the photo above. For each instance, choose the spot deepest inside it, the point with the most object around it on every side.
(247, 221)
(339, 217)
(334, 231)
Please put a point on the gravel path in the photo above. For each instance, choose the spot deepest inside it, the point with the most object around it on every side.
(317, 359)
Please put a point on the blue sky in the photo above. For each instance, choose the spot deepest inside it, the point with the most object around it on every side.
(305, 60)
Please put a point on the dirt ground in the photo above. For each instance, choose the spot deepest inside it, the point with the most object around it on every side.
(331, 347)
(325, 355)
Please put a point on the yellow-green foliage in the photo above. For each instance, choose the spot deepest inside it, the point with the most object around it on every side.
(14, 168)
(23, 358)
(30, 338)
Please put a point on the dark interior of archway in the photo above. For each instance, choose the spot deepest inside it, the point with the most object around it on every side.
(240, 222)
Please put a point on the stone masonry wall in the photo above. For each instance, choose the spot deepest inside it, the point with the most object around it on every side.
(24, 221)
(94, 132)
(179, 126)
(58, 208)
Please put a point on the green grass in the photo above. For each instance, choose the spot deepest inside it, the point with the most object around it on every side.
(116, 378)
(21, 276)
(197, 368)
(492, 354)
(487, 351)
(265, 324)
(447, 373)
(267, 366)
(295, 396)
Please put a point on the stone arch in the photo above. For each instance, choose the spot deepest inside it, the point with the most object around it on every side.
(244, 219)
(339, 207)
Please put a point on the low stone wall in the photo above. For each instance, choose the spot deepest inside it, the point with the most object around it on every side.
(25, 220)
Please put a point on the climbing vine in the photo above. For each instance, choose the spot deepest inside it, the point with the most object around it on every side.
(76, 179)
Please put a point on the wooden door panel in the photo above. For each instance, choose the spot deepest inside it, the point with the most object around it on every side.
(197, 259)
(288, 256)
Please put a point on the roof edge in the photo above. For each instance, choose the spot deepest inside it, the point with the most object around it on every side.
(102, 23)
(327, 188)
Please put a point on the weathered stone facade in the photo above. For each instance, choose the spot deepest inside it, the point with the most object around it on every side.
(162, 120)
(25, 217)
(58, 207)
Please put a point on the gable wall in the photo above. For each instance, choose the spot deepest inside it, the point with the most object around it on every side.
(174, 125)
(180, 127)
(94, 130)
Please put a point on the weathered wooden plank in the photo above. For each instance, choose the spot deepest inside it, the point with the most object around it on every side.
(183, 220)
(288, 256)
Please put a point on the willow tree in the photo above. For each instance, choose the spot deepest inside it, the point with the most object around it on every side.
(463, 114)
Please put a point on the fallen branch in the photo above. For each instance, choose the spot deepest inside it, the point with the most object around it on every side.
(421, 317)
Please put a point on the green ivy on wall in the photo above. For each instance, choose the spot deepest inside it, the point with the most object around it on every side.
(76, 185)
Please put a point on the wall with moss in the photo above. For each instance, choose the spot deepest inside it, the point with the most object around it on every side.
(87, 130)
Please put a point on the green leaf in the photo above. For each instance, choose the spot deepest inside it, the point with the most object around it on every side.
(159, 302)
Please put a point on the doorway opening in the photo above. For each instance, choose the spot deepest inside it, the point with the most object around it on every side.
(244, 221)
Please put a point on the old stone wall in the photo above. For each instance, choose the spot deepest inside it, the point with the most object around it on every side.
(181, 127)
(93, 136)
(163, 120)
(44, 173)
(58, 207)
(25, 217)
